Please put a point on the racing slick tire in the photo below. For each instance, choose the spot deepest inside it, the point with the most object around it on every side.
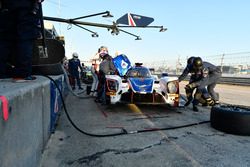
(231, 119)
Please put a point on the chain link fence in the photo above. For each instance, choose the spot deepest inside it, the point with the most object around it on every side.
(231, 64)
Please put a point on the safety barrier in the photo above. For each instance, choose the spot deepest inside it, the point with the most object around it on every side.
(26, 122)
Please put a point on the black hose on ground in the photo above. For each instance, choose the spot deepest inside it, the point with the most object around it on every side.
(69, 87)
(123, 132)
(169, 128)
(71, 121)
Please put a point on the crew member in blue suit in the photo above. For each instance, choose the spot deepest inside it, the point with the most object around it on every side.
(19, 20)
(74, 66)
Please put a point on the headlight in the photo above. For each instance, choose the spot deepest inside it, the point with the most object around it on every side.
(172, 87)
(112, 85)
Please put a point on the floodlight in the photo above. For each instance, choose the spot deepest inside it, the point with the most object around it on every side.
(95, 35)
(107, 15)
(138, 38)
(163, 29)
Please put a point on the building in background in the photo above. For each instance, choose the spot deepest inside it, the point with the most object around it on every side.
(51, 33)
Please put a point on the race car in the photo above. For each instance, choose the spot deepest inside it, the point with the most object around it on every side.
(135, 84)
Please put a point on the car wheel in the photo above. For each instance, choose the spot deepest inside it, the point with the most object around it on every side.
(231, 119)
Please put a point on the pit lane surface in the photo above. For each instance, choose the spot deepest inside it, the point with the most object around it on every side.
(198, 145)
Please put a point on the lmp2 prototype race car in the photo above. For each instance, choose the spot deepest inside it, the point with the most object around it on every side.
(136, 85)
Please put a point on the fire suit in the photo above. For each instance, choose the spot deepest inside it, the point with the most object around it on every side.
(210, 77)
(74, 65)
(106, 67)
(195, 76)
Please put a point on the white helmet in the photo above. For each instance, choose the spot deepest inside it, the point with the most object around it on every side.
(75, 55)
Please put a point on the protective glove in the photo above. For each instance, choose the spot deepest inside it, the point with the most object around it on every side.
(210, 102)
(190, 86)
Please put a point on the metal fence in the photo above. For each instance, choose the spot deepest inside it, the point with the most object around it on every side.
(242, 81)
(232, 64)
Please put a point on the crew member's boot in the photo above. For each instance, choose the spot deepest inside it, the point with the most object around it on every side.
(216, 102)
(189, 93)
(195, 104)
(195, 108)
(188, 102)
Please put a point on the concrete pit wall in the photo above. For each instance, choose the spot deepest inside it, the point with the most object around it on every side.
(24, 135)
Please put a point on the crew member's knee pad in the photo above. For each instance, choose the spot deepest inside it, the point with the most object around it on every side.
(189, 92)
(197, 95)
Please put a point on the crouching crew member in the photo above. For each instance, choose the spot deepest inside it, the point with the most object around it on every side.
(195, 76)
(210, 77)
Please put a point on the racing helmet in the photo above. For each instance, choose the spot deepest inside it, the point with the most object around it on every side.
(197, 63)
(190, 60)
(75, 55)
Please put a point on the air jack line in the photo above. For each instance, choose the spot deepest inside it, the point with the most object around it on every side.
(124, 131)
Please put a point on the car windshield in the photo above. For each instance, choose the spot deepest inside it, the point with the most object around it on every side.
(139, 73)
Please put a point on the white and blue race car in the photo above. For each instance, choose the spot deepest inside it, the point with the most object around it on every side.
(135, 84)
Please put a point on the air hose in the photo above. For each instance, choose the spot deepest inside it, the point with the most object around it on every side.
(68, 85)
(168, 128)
(124, 131)
(71, 121)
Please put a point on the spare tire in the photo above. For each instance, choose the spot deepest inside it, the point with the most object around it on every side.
(231, 119)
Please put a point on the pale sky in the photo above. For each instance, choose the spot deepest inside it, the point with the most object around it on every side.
(195, 27)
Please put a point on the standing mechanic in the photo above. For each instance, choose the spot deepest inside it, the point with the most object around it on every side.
(210, 76)
(73, 66)
(19, 28)
(103, 50)
(106, 67)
